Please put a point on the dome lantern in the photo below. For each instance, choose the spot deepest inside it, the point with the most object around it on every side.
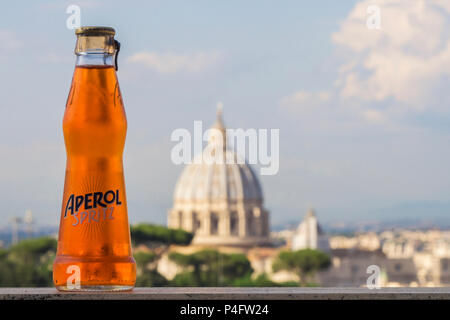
(218, 132)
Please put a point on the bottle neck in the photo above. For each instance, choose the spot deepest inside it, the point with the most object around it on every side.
(96, 50)
(94, 59)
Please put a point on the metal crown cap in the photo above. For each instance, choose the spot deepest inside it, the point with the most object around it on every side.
(95, 31)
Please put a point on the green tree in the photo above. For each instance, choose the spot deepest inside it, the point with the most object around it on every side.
(147, 275)
(143, 259)
(158, 239)
(210, 268)
(151, 278)
(155, 235)
(304, 263)
(28, 263)
(261, 280)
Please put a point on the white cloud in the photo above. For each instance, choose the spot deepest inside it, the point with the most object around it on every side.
(325, 110)
(404, 61)
(305, 102)
(8, 42)
(63, 5)
(306, 99)
(374, 116)
(52, 57)
(168, 63)
(386, 74)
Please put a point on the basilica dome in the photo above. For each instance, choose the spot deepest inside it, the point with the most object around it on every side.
(228, 180)
(218, 197)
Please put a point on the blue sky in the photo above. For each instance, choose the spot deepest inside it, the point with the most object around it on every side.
(363, 114)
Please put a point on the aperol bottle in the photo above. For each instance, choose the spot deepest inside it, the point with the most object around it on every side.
(94, 248)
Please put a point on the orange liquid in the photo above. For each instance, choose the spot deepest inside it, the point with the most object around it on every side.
(94, 234)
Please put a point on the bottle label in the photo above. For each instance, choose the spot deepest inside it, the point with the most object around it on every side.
(92, 207)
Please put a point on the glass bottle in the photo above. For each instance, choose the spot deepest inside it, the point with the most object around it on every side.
(94, 247)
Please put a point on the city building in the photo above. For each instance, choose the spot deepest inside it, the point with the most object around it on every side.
(309, 234)
(222, 203)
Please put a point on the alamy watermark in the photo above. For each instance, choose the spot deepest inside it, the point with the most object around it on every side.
(74, 280)
(373, 21)
(251, 144)
(373, 281)
(74, 20)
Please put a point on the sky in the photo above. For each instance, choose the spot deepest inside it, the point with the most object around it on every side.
(363, 112)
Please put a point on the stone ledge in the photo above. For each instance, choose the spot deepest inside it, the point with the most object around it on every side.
(232, 294)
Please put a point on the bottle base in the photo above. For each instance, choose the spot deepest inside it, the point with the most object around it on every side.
(97, 288)
(94, 273)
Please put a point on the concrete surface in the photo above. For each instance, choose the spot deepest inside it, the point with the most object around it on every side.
(231, 294)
